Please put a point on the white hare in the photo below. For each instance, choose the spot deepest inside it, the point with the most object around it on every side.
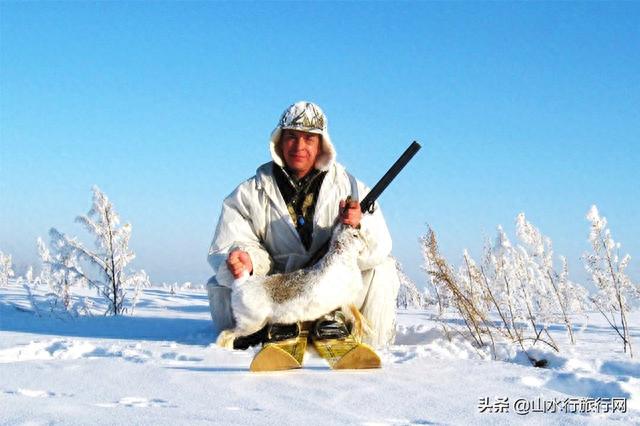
(304, 295)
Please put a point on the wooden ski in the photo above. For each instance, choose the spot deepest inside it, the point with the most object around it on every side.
(283, 355)
(346, 353)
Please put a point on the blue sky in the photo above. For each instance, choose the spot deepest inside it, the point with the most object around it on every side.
(530, 107)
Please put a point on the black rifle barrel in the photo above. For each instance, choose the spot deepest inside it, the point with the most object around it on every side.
(366, 205)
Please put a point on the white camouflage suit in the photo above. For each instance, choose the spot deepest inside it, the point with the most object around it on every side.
(255, 219)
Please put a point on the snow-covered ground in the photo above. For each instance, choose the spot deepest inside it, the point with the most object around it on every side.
(161, 367)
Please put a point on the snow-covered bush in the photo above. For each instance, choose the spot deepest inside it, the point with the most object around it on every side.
(6, 269)
(518, 285)
(617, 293)
(451, 291)
(30, 283)
(61, 273)
(516, 282)
(556, 297)
(176, 287)
(475, 291)
(109, 258)
(408, 294)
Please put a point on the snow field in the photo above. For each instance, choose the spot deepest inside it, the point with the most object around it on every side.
(161, 367)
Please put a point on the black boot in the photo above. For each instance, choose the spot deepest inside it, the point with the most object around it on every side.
(280, 332)
(268, 333)
(257, 338)
(331, 326)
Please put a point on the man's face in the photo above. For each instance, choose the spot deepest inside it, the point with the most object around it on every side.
(300, 150)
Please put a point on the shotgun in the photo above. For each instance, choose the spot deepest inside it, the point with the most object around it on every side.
(368, 202)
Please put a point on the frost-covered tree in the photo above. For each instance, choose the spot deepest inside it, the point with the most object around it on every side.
(519, 287)
(556, 297)
(616, 293)
(408, 295)
(6, 269)
(470, 278)
(29, 277)
(30, 282)
(501, 283)
(109, 258)
(62, 273)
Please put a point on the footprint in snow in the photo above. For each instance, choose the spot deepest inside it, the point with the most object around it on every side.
(131, 353)
(236, 408)
(621, 368)
(31, 393)
(62, 349)
(175, 356)
(583, 386)
(46, 350)
(137, 402)
(399, 356)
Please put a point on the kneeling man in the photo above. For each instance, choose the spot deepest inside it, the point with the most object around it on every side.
(278, 219)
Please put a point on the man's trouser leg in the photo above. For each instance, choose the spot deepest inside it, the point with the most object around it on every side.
(220, 305)
(377, 302)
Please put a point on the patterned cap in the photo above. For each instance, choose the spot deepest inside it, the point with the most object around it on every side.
(305, 117)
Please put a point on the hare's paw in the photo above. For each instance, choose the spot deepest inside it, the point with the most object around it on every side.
(225, 339)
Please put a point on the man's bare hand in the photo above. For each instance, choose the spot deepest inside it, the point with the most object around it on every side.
(238, 262)
(351, 215)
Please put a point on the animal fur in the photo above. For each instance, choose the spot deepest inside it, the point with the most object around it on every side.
(304, 295)
(360, 324)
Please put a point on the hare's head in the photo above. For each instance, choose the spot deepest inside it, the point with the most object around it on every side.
(347, 240)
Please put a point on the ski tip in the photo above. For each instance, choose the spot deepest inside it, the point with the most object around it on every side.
(359, 358)
(273, 358)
